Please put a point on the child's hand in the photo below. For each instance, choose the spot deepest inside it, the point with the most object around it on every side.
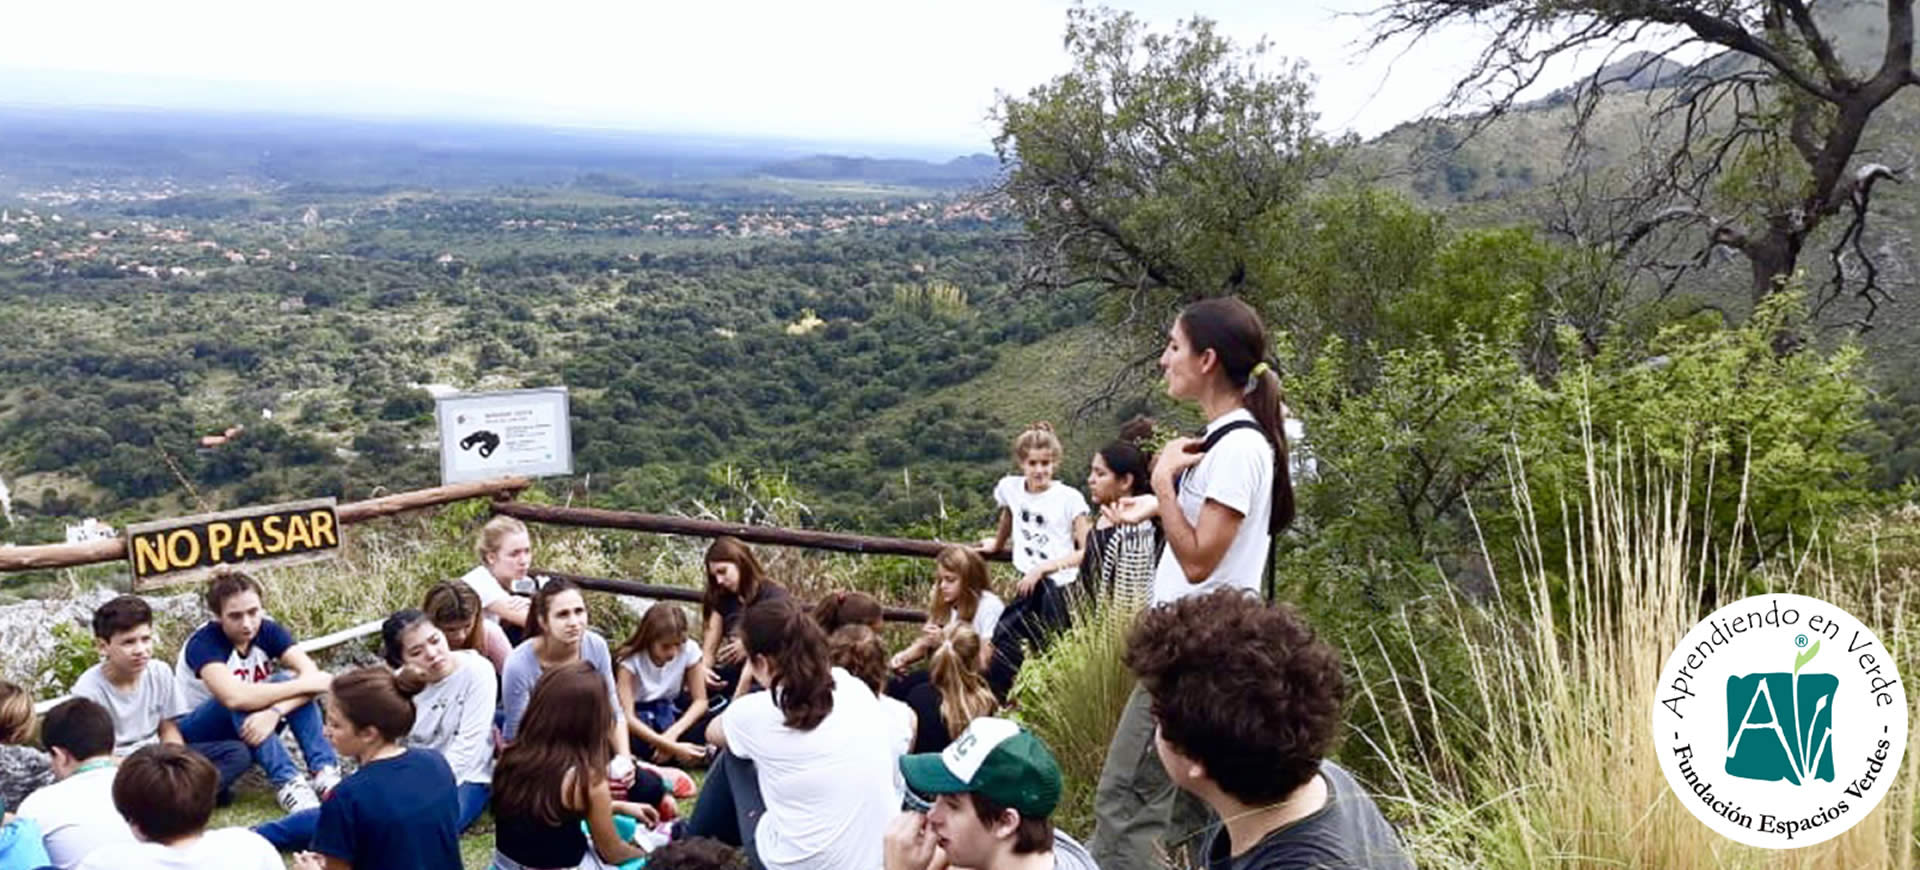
(908, 844)
(899, 663)
(1032, 579)
(308, 861)
(258, 726)
(730, 652)
(1130, 510)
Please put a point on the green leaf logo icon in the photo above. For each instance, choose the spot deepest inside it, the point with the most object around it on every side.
(1800, 661)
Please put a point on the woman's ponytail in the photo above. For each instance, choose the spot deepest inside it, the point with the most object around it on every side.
(802, 682)
(1269, 410)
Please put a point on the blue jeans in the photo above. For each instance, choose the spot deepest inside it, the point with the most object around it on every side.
(230, 758)
(294, 831)
(730, 805)
(658, 714)
(211, 721)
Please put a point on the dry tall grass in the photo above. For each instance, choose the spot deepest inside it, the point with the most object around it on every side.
(1548, 759)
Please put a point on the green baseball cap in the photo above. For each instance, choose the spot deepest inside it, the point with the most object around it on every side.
(994, 758)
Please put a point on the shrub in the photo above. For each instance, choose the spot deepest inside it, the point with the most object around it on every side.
(1071, 695)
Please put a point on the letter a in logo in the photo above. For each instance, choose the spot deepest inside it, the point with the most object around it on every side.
(1780, 726)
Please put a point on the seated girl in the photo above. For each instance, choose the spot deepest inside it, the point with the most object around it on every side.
(848, 608)
(798, 782)
(453, 702)
(857, 650)
(555, 776)
(955, 694)
(400, 809)
(659, 666)
(455, 610)
(961, 595)
(735, 581)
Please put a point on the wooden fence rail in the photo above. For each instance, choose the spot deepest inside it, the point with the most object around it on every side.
(661, 524)
(682, 593)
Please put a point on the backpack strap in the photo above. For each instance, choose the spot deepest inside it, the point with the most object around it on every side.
(1266, 582)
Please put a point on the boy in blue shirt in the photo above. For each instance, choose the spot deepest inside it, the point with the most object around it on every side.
(228, 676)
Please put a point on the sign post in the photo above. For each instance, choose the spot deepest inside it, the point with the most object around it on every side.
(189, 548)
(516, 432)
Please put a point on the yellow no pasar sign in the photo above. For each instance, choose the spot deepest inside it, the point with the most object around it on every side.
(176, 550)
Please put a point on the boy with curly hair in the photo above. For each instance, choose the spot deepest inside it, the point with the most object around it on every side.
(1248, 702)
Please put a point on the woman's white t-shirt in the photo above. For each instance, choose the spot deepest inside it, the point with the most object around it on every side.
(829, 796)
(485, 585)
(900, 718)
(653, 682)
(1042, 523)
(1237, 473)
(986, 615)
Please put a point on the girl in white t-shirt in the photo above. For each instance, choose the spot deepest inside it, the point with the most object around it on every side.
(798, 782)
(1219, 508)
(961, 594)
(657, 665)
(1041, 519)
(506, 552)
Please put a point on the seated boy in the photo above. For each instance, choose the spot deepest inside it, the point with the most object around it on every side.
(72, 812)
(1248, 703)
(227, 676)
(165, 792)
(994, 789)
(141, 694)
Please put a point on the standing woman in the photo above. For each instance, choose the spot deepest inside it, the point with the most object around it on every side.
(735, 582)
(1219, 508)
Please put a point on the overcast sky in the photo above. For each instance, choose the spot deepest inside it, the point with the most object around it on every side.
(905, 72)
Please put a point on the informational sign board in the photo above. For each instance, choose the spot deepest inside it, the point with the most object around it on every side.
(517, 432)
(188, 548)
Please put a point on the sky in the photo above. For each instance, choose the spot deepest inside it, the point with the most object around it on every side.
(914, 74)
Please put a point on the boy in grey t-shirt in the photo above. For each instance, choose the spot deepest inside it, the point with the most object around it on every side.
(141, 694)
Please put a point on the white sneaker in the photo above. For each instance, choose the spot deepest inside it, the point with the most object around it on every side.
(298, 795)
(325, 780)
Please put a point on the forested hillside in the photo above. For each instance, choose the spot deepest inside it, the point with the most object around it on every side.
(805, 330)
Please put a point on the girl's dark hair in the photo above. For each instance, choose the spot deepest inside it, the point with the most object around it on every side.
(847, 608)
(662, 621)
(856, 649)
(392, 646)
(373, 697)
(1233, 331)
(1125, 458)
(728, 548)
(802, 683)
(565, 729)
(452, 603)
(542, 598)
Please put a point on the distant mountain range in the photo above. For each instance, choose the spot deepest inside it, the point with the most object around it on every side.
(42, 146)
(959, 172)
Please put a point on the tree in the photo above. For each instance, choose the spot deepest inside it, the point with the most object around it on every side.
(1767, 131)
(1159, 166)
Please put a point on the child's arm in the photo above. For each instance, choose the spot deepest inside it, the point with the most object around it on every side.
(696, 683)
(635, 726)
(606, 839)
(998, 543)
(170, 733)
(710, 647)
(914, 651)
